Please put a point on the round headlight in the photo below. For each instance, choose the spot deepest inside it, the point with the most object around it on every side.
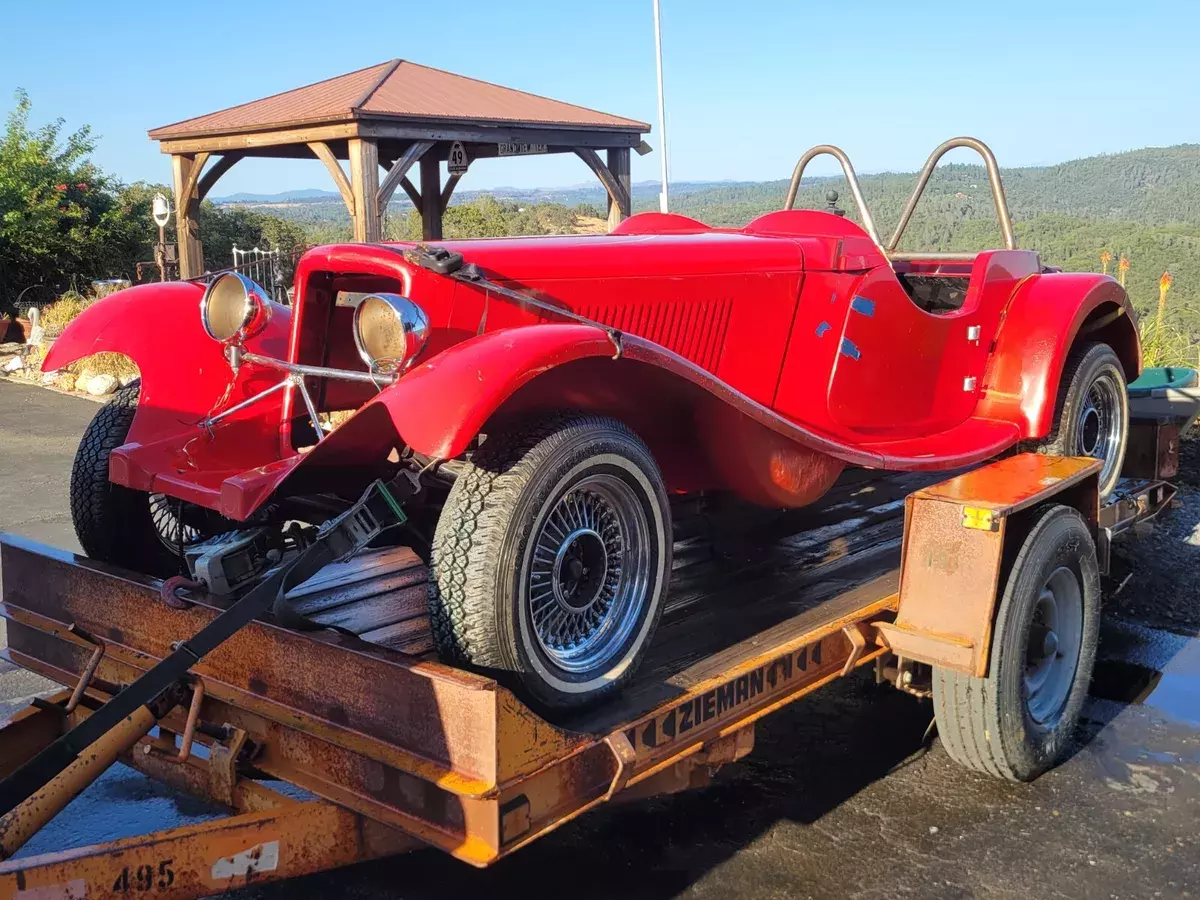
(390, 331)
(233, 306)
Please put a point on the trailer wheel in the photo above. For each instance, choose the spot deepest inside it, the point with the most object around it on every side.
(1091, 416)
(114, 523)
(1018, 720)
(551, 559)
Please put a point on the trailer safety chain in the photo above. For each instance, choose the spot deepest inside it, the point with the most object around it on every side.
(160, 688)
(443, 262)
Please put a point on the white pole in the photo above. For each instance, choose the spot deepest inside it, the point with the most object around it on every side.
(662, 109)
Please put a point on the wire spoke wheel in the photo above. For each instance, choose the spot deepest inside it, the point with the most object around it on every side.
(589, 572)
(164, 516)
(1052, 647)
(1100, 424)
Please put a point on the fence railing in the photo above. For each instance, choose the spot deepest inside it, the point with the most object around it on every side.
(264, 267)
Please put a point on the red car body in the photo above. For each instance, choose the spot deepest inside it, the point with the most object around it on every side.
(761, 360)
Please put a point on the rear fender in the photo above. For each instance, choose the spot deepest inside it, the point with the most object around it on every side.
(1045, 317)
(183, 370)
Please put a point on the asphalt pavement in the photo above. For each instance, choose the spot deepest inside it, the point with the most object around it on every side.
(843, 795)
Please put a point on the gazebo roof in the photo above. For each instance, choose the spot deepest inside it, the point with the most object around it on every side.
(398, 90)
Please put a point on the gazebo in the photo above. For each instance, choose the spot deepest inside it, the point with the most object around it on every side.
(385, 120)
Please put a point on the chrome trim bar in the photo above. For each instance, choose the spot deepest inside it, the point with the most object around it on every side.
(375, 378)
(213, 420)
(993, 173)
(848, 170)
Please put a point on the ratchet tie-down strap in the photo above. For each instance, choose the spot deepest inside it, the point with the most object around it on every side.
(378, 509)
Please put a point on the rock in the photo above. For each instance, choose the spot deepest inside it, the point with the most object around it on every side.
(16, 364)
(50, 377)
(101, 385)
(128, 378)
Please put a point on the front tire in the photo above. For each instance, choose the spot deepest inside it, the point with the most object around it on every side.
(551, 559)
(1091, 416)
(114, 523)
(1018, 720)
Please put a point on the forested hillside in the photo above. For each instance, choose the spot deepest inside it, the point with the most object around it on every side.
(1143, 205)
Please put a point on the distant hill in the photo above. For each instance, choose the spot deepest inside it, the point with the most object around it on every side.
(304, 195)
(1144, 204)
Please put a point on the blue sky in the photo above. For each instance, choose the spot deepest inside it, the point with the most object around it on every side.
(749, 85)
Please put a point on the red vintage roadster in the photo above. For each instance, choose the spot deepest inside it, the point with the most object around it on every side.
(554, 393)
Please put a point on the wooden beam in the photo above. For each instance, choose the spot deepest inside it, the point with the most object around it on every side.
(397, 172)
(448, 190)
(191, 187)
(431, 199)
(185, 175)
(321, 150)
(618, 165)
(219, 168)
(411, 189)
(220, 143)
(467, 132)
(618, 195)
(475, 133)
(364, 179)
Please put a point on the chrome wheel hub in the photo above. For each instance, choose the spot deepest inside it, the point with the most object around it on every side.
(1052, 647)
(589, 573)
(1100, 424)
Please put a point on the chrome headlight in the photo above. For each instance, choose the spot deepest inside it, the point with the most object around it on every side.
(234, 307)
(390, 331)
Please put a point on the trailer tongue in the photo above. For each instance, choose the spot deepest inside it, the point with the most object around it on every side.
(130, 714)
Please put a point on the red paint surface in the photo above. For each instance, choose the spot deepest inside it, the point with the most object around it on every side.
(733, 365)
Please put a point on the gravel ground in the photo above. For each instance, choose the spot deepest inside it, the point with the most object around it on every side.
(842, 797)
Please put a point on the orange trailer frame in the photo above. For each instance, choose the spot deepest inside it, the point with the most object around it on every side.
(400, 751)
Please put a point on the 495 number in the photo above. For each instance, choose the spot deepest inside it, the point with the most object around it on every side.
(143, 878)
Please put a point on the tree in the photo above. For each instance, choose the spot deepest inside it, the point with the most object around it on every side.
(57, 219)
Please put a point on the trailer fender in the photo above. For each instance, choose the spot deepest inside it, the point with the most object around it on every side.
(183, 371)
(959, 540)
(1043, 320)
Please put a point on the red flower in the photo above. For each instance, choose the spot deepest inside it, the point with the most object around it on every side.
(82, 186)
(60, 187)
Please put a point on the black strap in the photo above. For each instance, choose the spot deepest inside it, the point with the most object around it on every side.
(376, 510)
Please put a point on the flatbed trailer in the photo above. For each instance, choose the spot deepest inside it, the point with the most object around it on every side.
(394, 750)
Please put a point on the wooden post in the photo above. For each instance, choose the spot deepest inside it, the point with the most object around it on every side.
(186, 176)
(618, 164)
(364, 181)
(431, 198)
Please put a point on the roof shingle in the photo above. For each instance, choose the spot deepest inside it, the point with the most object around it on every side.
(396, 89)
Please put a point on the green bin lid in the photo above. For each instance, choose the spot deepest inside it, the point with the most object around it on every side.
(1164, 377)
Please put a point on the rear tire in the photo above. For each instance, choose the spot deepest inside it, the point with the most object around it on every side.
(551, 559)
(1018, 720)
(114, 523)
(1091, 416)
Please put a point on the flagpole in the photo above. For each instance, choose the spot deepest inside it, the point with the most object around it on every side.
(662, 108)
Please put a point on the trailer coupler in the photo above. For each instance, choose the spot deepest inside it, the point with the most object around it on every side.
(40, 788)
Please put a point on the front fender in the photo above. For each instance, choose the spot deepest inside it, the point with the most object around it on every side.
(1044, 318)
(183, 370)
(439, 407)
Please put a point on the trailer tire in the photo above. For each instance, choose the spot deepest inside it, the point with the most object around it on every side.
(114, 523)
(525, 581)
(1018, 720)
(1091, 414)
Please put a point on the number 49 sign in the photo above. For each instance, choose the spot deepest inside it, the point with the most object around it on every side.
(457, 162)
